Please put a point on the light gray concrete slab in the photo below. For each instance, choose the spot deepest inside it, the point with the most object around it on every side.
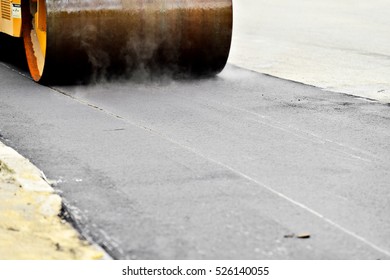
(342, 46)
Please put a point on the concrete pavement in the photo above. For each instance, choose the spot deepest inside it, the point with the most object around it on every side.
(340, 46)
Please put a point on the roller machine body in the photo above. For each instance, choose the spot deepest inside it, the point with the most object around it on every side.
(66, 40)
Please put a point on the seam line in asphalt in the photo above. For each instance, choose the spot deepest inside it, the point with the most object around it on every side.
(299, 133)
(241, 174)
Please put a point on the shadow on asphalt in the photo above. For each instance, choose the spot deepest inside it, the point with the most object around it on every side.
(12, 52)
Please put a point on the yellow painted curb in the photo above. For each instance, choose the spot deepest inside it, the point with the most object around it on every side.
(30, 225)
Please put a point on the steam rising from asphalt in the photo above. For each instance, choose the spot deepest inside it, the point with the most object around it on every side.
(138, 58)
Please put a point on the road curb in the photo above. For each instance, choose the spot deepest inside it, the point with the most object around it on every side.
(24, 173)
(30, 213)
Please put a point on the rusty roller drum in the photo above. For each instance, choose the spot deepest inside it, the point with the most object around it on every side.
(77, 39)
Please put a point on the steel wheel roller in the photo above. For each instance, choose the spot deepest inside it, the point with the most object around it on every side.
(82, 39)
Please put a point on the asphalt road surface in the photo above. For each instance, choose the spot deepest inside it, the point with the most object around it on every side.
(232, 167)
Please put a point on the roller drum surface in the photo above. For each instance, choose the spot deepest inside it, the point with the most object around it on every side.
(97, 38)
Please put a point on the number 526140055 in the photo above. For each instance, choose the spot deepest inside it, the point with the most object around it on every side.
(260, 270)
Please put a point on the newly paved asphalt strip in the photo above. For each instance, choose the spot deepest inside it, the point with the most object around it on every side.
(232, 167)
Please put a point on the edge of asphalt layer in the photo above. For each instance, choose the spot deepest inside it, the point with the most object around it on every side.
(32, 181)
(363, 97)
